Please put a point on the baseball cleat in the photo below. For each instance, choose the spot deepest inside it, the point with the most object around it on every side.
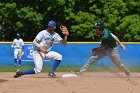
(51, 75)
(18, 74)
(77, 72)
(128, 74)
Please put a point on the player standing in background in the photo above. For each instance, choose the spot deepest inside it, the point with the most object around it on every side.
(18, 46)
(43, 43)
(108, 48)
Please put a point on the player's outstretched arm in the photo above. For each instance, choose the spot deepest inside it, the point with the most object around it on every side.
(118, 41)
(64, 41)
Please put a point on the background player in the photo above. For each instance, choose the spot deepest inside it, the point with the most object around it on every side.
(18, 46)
(43, 43)
(108, 48)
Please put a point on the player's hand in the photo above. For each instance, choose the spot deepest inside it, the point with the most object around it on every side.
(22, 53)
(123, 47)
(91, 51)
(64, 30)
(42, 50)
(45, 51)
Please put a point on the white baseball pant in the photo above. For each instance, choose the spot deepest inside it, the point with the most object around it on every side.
(38, 58)
(17, 54)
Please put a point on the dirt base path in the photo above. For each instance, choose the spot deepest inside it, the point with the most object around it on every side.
(87, 83)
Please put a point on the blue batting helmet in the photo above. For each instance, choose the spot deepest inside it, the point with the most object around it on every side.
(52, 23)
(98, 25)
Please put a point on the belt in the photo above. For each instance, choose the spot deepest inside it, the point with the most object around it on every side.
(17, 48)
(111, 47)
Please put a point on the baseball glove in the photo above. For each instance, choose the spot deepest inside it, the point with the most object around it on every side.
(64, 30)
(22, 54)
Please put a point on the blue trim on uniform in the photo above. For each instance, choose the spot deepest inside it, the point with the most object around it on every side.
(38, 41)
(55, 65)
(20, 62)
(30, 71)
(15, 60)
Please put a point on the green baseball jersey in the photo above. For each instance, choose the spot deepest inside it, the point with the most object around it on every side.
(107, 40)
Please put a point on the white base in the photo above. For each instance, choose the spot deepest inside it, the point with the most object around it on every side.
(68, 75)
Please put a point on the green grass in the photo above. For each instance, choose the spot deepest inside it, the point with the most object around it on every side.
(68, 68)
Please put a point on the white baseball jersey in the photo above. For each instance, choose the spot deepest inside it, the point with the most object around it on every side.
(46, 39)
(18, 43)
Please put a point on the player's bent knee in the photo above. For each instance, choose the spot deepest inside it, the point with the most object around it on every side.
(93, 58)
(38, 70)
(59, 57)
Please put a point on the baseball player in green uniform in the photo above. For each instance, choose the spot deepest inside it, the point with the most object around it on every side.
(108, 48)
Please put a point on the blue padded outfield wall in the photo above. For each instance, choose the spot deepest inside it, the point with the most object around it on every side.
(73, 55)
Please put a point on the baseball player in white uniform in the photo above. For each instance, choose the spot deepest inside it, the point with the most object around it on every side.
(18, 45)
(43, 43)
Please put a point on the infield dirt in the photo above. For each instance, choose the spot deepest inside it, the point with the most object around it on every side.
(88, 83)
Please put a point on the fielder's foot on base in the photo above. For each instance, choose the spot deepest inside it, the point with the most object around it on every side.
(51, 75)
(18, 74)
(77, 72)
